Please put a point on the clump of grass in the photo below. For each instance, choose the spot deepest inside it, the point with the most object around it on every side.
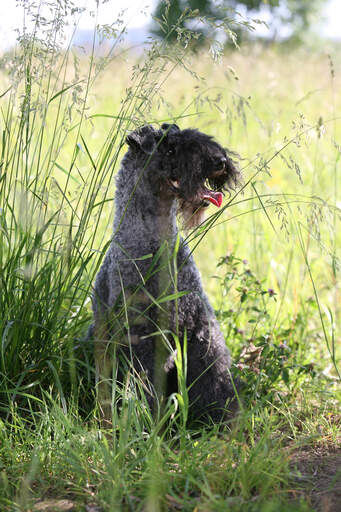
(136, 468)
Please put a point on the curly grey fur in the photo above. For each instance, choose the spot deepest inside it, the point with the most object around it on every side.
(163, 171)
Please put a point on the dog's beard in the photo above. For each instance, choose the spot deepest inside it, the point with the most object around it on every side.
(191, 216)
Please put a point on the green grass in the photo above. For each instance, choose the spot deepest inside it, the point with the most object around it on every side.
(270, 262)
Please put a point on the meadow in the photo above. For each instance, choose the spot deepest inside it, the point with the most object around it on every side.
(269, 258)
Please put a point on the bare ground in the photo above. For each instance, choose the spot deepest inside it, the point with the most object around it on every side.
(319, 474)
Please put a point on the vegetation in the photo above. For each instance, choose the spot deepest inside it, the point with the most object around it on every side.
(272, 274)
(206, 17)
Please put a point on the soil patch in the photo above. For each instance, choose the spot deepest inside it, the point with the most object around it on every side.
(319, 474)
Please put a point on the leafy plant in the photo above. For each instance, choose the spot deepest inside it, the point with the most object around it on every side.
(269, 358)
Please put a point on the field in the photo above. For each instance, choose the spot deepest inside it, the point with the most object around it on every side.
(269, 258)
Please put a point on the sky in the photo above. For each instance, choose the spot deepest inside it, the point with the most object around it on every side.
(137, 14)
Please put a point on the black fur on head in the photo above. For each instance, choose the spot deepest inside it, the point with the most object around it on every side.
(186, 164)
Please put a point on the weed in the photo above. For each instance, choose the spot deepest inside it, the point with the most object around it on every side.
(269, 356)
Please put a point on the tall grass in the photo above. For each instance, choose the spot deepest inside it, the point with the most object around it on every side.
(51, 208)
(64, 118)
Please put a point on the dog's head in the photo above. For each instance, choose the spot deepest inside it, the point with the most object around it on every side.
(186, 164)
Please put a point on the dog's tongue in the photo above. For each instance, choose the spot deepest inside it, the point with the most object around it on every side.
(215, 198)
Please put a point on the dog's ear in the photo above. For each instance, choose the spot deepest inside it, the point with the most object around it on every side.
(143, 139)
(170, 128)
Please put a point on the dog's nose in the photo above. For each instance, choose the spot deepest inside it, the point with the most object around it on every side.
(223, 161)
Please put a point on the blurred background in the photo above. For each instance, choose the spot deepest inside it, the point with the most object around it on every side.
(299, 21)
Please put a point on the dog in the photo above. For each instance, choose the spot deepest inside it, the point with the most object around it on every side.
(148, 300)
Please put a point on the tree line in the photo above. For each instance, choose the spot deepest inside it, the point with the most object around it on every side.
(289, 19)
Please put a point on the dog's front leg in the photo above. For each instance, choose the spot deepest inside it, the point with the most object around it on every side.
(104, 371)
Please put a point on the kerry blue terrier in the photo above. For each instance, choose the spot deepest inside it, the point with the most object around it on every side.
(148, 289)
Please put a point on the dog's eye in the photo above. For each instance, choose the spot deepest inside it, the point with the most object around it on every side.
(170, 152)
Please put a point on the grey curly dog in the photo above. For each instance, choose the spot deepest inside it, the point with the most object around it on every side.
(148, 292)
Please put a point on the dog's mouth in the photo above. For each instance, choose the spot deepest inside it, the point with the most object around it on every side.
(210, 196)
(205, 195)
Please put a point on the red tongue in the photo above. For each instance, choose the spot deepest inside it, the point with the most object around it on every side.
(215, 198)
